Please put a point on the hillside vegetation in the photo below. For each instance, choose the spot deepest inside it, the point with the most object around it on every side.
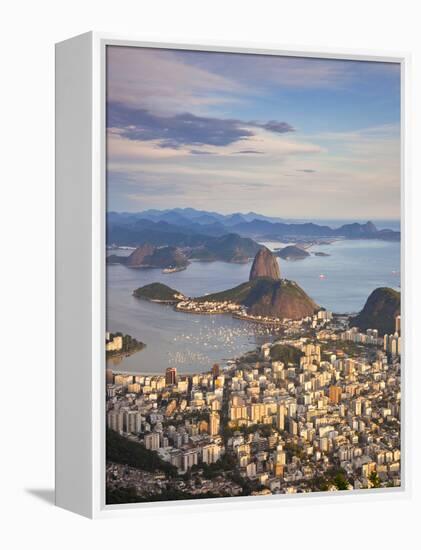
(157, 292)
(121, 450)
(379, 311)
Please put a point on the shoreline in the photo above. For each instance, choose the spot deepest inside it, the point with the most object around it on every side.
(123, 354)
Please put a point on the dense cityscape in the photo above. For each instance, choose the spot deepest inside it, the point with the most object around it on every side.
(316, 410)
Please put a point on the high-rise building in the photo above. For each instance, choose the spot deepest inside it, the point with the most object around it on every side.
(134, 388)
(115, 420)
(238, 413)
(189, 458)
(216, 371)
(116, 344)
(257, 412)
(392, 343)
(292, 426)
(394, 346)
(203, 427)
(109, 376)
(132, 422)
(280, 456)
(123, 379)
(214, 422)
(335, 394)
(398, 324)
(211, 453)
(152, 441)
(171, 376)
(280, 417)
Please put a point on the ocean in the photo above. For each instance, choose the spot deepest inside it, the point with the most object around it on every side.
(340, 282)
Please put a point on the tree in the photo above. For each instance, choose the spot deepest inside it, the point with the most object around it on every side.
(340, 481)
(374, 480)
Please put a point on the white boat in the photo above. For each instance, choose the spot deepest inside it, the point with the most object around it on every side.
(173, 269)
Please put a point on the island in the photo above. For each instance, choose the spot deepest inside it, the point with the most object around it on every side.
(229, 248)
(148, 256)
(293, 252)
(160, 293)
(321, 254)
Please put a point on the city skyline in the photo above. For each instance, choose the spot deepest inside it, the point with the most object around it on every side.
(285, 136)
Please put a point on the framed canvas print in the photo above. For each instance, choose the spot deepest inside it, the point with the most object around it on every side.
(230, 230)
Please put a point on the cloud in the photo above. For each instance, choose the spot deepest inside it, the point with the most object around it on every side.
(361, 176)
(161, 80)
(184, 128)
(248, 152)
(288, 72)
(174, 130)
(198, 152)
(274, 126)
(261, 145)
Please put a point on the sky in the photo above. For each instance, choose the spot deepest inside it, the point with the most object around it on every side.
(283, 136)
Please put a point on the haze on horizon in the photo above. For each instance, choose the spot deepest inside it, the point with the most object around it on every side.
(295, 138)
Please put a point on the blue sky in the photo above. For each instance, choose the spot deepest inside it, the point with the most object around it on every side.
(285, 136)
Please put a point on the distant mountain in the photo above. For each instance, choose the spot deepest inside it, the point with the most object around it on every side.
(292, 253)
(168, 256)
(150, 256)
(184, 216)
(228, 248)
(160, 233)
(256, 228)
(380, 311)
(265, 265)
(276, 231)
(138, 256)
(234, 219)
(187, 226)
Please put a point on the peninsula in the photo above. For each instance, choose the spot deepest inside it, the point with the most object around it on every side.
(266, 297)
(120, 345)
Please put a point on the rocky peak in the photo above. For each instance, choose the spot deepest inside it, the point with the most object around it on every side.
(265, 265)
(137, 257)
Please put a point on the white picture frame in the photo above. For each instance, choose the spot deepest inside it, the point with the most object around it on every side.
(80, 275)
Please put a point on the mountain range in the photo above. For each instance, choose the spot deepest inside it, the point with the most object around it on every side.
(188, 227)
